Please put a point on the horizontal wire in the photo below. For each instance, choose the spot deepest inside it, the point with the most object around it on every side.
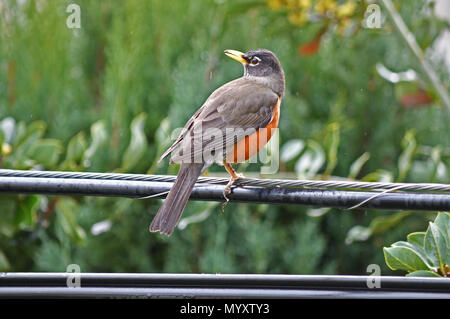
(329, 184)
(152, 285)
(94, 184)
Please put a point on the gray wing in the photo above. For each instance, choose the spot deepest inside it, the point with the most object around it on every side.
(238, 109)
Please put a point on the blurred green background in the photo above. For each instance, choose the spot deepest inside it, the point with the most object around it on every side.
(105, 98)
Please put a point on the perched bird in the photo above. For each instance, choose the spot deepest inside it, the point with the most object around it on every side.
(234, 123)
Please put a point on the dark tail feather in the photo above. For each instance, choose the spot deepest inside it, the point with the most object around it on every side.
(170, 212)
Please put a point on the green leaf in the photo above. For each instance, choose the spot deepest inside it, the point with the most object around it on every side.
(138, 143)
(418, 249)
(311, 161)
(27, 135)
(403, 258)
(26, 214)
(436, 246)
(357, 165)
(443, 222)
(66, 209)
(417, 238)
(291, 149)
(45, 152)
(423, 273)
(76, 147)
(24, 139)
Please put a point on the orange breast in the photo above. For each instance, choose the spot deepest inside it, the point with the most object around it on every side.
(252, 144)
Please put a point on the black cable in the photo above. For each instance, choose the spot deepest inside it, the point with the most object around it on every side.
(322, 184)
(274, 195)
(92, 285)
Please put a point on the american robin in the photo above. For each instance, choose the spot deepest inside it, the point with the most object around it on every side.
(234, 123)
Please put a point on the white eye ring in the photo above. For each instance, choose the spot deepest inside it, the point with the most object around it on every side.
(254, 61)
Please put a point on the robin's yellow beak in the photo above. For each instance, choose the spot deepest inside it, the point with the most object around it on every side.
(236, 55)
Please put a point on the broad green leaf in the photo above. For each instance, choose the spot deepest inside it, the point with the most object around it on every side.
(26, 214)
(24, 139)
(138, 143)
(20, 132)
(423, 273)
(418, 249)
(76, 147)
(403, 258)
(66, 209)
(357, 165)
(436, 246)
(45, 152)
(28, 134)
(291, 149)
(443, 222)
(311, 161)
(417, 238)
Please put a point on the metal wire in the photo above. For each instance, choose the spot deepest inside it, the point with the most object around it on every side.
(329, 184)
(146, 186)
(147, 285)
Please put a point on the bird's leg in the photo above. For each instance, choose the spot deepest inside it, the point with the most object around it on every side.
(234, 177)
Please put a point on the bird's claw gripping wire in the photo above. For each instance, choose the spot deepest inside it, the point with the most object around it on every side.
(234, 177)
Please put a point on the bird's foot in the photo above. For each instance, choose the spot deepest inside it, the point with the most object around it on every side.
(227, 189)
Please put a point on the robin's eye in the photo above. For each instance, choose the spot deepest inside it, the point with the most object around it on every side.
(254, 61)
